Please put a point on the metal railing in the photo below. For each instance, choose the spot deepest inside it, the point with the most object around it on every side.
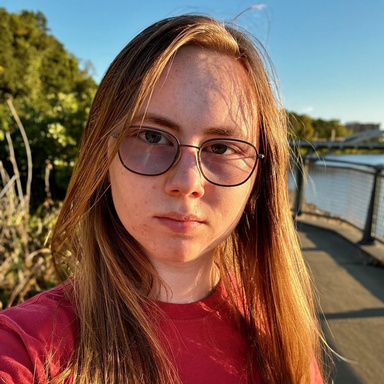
(349, 191)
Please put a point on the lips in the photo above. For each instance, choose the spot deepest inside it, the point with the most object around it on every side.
(181, 217)
(179, 222)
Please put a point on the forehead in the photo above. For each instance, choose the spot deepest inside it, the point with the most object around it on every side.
(204, 88)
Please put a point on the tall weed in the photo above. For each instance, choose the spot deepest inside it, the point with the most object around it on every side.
(25, 259)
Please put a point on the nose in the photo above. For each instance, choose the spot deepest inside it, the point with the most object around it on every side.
(185, 178)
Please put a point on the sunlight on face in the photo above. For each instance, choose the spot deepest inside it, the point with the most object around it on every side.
(179, 216)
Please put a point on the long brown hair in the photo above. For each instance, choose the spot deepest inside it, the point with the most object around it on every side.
(111, 278)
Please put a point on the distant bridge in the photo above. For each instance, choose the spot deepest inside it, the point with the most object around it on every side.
(361, 140)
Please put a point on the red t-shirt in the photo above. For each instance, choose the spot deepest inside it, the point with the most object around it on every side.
(41, 328)
(202, 338)
(205, 341)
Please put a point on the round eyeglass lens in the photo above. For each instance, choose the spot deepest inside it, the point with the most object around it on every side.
(227, 162)
(148, 151)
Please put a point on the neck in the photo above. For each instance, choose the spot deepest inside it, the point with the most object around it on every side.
(185, 282)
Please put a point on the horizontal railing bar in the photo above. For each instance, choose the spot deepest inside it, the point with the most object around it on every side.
(376, 167)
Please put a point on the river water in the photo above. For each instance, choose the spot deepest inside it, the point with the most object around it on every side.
(344, 190)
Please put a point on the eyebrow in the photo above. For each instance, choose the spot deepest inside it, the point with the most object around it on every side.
(159, 120)
(166, 122)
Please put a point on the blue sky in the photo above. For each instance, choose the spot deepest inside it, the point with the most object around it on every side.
(328, 55)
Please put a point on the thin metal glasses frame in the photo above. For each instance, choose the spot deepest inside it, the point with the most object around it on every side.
(259, 156)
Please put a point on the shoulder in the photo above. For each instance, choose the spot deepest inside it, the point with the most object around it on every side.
(47, 315)
(42, 328)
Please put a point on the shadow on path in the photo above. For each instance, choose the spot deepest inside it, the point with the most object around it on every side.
(347, 255)
(370, 312)
(351, 295)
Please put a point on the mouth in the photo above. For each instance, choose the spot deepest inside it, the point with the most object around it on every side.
(182, 223)
(188, 217)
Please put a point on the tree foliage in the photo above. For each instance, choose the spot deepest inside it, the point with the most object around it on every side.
(51, 93)
(304, 127)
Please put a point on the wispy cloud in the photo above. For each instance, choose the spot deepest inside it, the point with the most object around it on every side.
(308, 109)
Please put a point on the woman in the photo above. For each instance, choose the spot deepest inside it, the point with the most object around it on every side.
(185, 266)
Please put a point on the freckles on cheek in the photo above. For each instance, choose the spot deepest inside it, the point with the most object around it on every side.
(144, 230)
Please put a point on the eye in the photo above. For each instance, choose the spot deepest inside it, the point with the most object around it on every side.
(153, 137)
(220, 149)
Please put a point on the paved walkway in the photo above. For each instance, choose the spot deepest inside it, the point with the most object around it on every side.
(351, 291)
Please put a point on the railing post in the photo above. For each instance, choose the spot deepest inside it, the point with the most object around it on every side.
(301, 176)
(371, 213)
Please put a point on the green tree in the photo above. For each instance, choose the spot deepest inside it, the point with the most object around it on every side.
(51, 94)
(329, 129)
(304, 127)
(301, 126)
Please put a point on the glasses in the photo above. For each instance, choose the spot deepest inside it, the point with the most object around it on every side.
(224, 162)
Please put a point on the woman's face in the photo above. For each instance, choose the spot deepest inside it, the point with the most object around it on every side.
(180, 217)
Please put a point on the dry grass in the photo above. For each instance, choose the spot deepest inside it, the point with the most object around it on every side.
(25, 259)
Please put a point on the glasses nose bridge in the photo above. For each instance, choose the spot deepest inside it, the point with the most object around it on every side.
(190, 146)
(178, 155)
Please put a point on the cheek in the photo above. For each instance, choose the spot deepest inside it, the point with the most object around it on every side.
(233, 205)
(127, 208)
(133, 198)
(121, 192)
